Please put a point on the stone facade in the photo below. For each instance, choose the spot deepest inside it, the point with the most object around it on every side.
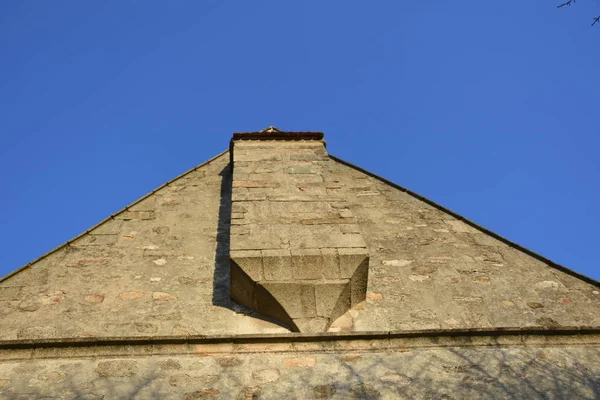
(139, 306)
(435, 368)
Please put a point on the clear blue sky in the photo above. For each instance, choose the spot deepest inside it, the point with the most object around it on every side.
(489, 108)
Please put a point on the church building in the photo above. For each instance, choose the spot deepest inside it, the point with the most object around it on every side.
(276, 270)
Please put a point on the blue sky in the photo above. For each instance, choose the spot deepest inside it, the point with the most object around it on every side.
(489, 108)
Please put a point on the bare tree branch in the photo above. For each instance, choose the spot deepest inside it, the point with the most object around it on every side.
(568, 3)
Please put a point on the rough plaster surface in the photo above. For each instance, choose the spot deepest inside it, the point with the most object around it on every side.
(567, 372)
(162, 268)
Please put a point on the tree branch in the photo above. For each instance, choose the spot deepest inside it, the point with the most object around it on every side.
(568, 3)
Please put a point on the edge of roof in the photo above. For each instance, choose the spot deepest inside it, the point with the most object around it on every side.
(277, 135)
(480, 228)
(111, 217)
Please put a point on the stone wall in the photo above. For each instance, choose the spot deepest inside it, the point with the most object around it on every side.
(161, 267)
(429, 269)
(145, 297)
(360, 370)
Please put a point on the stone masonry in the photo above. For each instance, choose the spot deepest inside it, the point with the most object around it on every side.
(139, 306)
(161, 266)
(297, 254)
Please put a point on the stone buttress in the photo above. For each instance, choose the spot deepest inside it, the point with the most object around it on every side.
(296, 252)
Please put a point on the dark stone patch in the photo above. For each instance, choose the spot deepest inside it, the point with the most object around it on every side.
(471, 381)
(365, 392)
(534, 305)
(351, 358)
(323, 391)
(547, 322)
(424, 269)
(460, 369)
(184, 280)
(229, 361)
(160, 230)
(250, 393)
(199, 394)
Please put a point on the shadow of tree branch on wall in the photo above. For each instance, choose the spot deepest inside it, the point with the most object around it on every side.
(537, 372)
(494, 372)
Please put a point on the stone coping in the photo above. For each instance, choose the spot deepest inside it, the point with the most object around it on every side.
(278, 136)
(437, 335)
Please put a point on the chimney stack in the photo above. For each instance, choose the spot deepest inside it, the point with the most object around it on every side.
(296, 252)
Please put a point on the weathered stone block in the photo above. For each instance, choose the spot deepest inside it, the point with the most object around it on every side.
(346, 214)
(331, 264)
(307, 263)
(349, 229)
(239, 207)
(244, 196)
(256, 156)
(350, 259)
(318, 324)
(358, 283)
(298, 299)
(162, 296)
(267, 303)
(307, 156)
(241, 286)
(250, 261)
(266, 240)
(277, 265)
(299, 170)
(328, 294)
(255, 184)
(116, 368)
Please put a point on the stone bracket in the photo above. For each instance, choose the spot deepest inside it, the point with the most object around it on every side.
(305, 289)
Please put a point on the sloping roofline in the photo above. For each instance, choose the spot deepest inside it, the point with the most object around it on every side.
(348, 164)
(474, 225)
(127, 207)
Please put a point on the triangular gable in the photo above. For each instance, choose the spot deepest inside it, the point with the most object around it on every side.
(160, 267)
